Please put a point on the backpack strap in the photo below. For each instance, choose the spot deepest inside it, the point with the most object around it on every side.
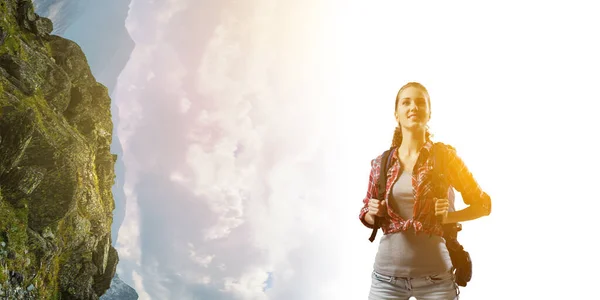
(386, 159)
(437, 157)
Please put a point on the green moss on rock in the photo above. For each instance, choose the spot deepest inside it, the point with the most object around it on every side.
(56, 169)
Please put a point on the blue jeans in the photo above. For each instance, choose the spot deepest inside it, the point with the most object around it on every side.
(438, 287)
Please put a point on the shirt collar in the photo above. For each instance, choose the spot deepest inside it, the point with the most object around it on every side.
(427, 147)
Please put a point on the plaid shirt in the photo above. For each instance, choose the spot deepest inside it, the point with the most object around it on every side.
(456, 173)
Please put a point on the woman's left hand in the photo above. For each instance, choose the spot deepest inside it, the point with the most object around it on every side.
(441, 208)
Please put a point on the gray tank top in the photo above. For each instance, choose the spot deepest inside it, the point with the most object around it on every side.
(406, 254)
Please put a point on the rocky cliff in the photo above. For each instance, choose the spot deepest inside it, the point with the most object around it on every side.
(56, 169)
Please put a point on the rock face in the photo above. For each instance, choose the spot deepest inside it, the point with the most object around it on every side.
(56, 169)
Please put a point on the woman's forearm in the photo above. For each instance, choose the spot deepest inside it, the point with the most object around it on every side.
(471, 212)
(369, 219)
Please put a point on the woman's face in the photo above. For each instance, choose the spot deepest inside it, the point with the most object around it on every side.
(413, 109)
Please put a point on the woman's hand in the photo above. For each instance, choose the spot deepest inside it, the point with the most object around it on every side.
(377, 208)
(441, 208)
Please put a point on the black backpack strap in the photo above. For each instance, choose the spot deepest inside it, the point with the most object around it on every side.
(437, 157)
(386, 158)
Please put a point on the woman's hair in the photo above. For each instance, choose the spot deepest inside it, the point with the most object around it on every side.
(397, 139)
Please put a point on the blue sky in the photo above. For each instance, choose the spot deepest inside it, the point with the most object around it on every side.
(248, 127)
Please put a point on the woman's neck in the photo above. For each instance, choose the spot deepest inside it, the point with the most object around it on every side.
(412, 141)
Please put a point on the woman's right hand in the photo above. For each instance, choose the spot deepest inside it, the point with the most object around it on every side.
(377, 208)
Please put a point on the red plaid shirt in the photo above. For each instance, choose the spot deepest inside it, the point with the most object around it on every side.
(424, 219)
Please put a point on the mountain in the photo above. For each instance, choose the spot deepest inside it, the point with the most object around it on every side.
(56, 166)
(119, 290)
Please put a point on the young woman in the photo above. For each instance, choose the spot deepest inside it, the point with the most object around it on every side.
(412, 259)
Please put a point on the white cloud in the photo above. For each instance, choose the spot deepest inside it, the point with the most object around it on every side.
(249, 286)
(247, 146)
(55, 8)
(128, 243)
(202, 261)
(150, 76)
(177, 177)
(139, 286)
(185, 105)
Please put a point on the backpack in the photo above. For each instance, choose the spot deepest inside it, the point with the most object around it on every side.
(461, 260)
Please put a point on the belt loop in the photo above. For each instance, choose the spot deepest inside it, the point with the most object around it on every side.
(388, 279)
(457, 288)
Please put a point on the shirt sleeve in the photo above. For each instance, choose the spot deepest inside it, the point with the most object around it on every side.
(463, 181)
(371, 191)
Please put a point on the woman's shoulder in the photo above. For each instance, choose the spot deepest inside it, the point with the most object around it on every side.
(443, 151)
(376, 161)
(445, 147)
